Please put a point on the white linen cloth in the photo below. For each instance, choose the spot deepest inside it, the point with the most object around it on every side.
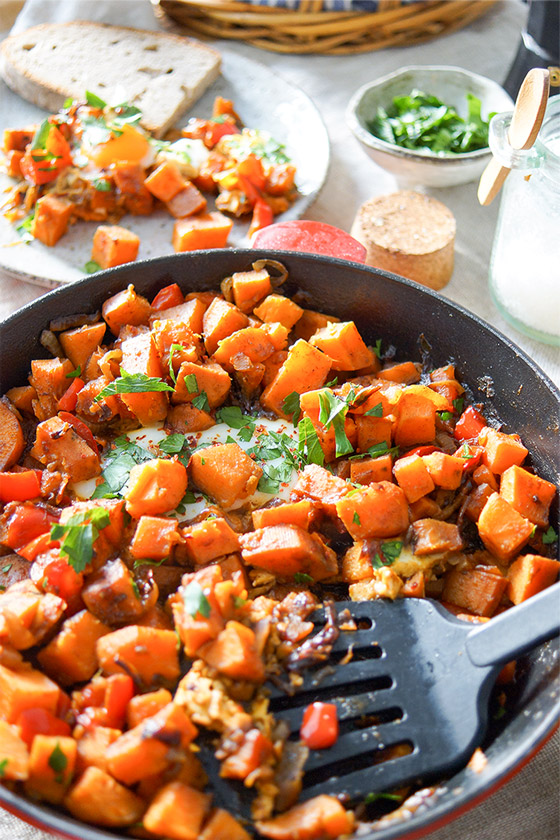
(526, 808)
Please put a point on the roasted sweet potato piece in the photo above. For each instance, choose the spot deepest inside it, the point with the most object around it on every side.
(500, 450)
(431, 536)
(113, 595)
(225, 472)
(79, 343)
(416, 420)
(26, 689)
(58, 443)
(188, 201)
(477, 590)
(530, 495)
(139, 355)
(293, 513)
(311, 321)
(278, 308)
(370, 470)
(11, 436)
(377, 510)
(322, 487)
(120, 808)
(502, 529)
(343, 344)
(185, 418)
(530, 574)
(49, 378)
(14, 755)
(321, 818)
(143, 706)
(190, 313)
(251, 341)
(404, 373)
(126, 307)
(177, 811)
(156, 486)
(206, 230)
(235, 653)
(222, 826)
(286, 550)
(445, 470)
(220, 320)
(114, 245)
(193, 379)
(371, 431)
(165, 181)
(249, 287)
(44, 780)
(147, 652)
(305, 369)
(71, 656)
(207, 540)
(155, 537)
(52, 215)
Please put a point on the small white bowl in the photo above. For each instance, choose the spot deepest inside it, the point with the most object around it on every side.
(422, 167)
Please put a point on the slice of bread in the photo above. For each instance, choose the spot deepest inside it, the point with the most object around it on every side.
(161, 74)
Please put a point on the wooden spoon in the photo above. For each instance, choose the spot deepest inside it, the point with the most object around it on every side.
(526, 122)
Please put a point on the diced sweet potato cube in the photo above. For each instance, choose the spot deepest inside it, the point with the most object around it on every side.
(190, 313)
(207, 230)
(148, 652)
(321, 818)
(500, 450)
(58, 443)
(377, 510)
(126, 307)
(476, 500)
(305, 369)
(188, 201)
(405, 373)
(477, 590)
(344, 345)
(139, 355)
(220, 320)
(416, 420)
(356, 564)
(530, 495)
(445, 470)
(143, 706)
(371, 470)
(279, 308)
(311, 321)
(210, 378)
(503, 531)
(92, 746)
(225, 472)
(14, 756)
(26, 689)
(186, 419)
(321, 486)
(222, 826)
(79, 343)
(530, 574)
(432, 536)
(177, 811)
(235, 653)
(372, 430)
(155, 537)
(165, 181)
(155, 486)
(292, 513)
(251, 341)
(205, 541)
(114, 245)
(52, 215)
(46, 781)
(71, 656)
(249, 287)
(286, 550)
(120, 807)
(412, 475)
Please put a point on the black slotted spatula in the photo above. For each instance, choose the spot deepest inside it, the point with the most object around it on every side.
(417, 676)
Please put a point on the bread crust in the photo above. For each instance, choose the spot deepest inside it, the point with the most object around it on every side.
(163, 74)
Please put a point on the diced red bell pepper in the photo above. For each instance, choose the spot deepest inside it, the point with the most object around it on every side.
(423, 450)
(20, 486)
(251, 167)
(472, 455)
(81, 428)
(216, 130)
(42, 165)
(167, 297)
(60, 578)
(39, 721)
(469, 425)
(38, 546)
(119, 690)
(25, 523)
(68, 400)
(319, 728)
(262, 216)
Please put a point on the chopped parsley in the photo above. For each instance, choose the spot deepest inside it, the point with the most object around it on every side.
(290, 405)
(25, 227)
(177, 348)
(376, 411)
(302, 577)
(389, 552)
(201, 401)
(102, 185)
(91, 267)
(445, 416)
(58, 762)
(173, 443)
(94, 100)
(373, 797)
(382, 448)
(123, 455)
(6, 568)
(550, 536)
(196, 602)
(309, 446)
(79, 534)
(133, 383)
(191, 383)
(377, 348)
(3, 765)
(356, 519)
(74, 373)
(458, 403)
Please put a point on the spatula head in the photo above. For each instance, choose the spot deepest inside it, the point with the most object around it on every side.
(409, 682)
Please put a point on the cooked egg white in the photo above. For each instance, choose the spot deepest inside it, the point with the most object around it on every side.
(149, 437)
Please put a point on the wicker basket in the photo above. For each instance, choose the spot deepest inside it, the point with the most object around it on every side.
(311, 29)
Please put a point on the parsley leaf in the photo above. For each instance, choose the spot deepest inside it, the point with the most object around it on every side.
(102, 185)
(91, 267)
(377, 348)
(58, 762)
(356, 519)
(382, 449)
(133, 383)
(120, 459)
(3, 765)
(74, 373)
(389, 552)
(332, 413)
(549, 537)
(78, 535)
(445, 415)
(376, 411)
(40, 137)
(373, 797)
(309, 447)
(232, 416)
(94, 100)
(172, 443)
(302, 577)
(25, 228)
(196, 602)
(177, 348)
(201, 401)
(290, 405)
(458, 403)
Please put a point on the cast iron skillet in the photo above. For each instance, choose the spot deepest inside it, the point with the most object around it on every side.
(399, 312)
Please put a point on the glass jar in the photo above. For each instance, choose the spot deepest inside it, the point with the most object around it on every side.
(525, 262)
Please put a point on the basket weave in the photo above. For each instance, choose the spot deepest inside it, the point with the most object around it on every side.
(310, 29)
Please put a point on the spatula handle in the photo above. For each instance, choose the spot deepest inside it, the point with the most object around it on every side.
(517, 630)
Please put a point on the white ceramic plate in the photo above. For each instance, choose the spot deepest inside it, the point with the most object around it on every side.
(261, 98)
